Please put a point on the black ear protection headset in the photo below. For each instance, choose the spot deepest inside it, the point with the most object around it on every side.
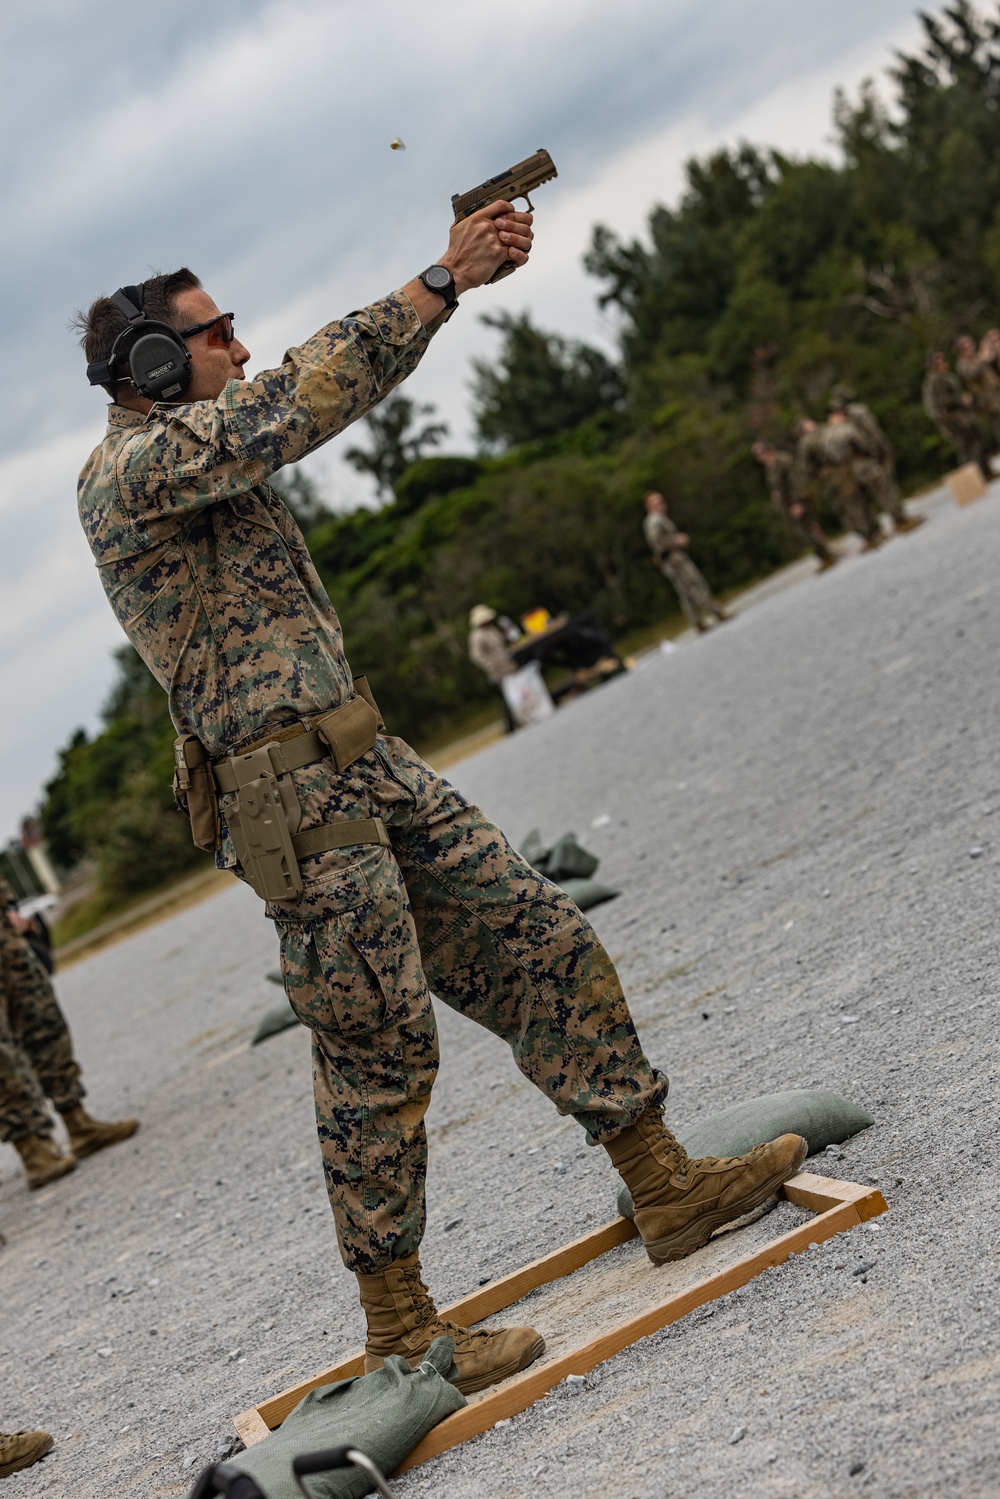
(159, 364)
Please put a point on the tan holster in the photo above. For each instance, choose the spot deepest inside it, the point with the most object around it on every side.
(265, 816)
(194, 791)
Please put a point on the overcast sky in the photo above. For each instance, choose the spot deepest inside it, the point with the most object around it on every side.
(250, 139)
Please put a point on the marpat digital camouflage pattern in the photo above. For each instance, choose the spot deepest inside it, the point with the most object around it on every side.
(203, 565)
(212, 582)
(454, 909)
(36, 1053)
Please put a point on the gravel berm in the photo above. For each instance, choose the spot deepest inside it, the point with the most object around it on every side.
(802, 812)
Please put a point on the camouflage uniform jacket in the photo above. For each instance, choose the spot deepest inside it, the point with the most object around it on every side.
(783, 480)
(661, 533)
(944, 399)
(979, 376)
(206, 570)
(863, 419)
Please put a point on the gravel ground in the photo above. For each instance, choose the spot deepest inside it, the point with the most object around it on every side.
(802, 811)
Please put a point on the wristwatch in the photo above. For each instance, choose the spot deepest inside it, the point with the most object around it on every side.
(438, 278)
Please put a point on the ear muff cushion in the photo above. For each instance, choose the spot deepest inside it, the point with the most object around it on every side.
(160, 365)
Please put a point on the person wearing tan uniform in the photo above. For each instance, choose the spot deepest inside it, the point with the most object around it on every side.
(669, 547)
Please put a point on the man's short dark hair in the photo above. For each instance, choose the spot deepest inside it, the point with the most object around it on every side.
(101, 324)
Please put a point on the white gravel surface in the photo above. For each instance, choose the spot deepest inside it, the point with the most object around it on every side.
(802, 811)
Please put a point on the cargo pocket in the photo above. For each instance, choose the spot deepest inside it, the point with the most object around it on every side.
(345, 948)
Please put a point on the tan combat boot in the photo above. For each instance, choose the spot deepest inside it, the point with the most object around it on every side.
(679, 1203)
(43, 1161)
(87, 1135)
(910, 522)
(22, 1448)
(402, 1318)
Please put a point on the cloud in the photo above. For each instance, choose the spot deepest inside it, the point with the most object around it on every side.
(250, 139)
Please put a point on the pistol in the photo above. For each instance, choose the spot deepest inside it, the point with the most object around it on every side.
(517, 182)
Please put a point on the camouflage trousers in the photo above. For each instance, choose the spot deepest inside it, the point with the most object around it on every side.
(452, 908)
(969, 441)
(809, 532)
(855, 506)
(696, 598)
(36, 1053)
(878, 485)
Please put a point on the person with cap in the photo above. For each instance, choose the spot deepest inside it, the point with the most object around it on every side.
(669, 547)
(488, 650)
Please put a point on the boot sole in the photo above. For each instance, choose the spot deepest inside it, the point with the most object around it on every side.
(91, 1147)
(696, 1234)
(494, 1376)
(6, 1469)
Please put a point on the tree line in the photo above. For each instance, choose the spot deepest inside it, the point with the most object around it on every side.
(769, 280)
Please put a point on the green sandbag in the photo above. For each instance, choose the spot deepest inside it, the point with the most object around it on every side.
(821, 1118)
(275, 1020)
(587, 893)
(383, 1415)
(559, 861)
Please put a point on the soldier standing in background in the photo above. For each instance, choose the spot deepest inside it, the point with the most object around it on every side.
(792, 498)
(489, 651)
(36, 1061)
(951, 410)
(874, 468)
(670, 554)
(826, 456)
(978, 373)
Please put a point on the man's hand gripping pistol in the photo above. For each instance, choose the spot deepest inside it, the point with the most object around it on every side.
(516, 182)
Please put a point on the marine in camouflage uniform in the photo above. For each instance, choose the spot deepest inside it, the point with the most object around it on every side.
(978, 373)
(36, 1053)
(37, 1062)
(951, 410)
(827, 455)
(793, 499)
(211, 579)
(669, 548)
(874, 468)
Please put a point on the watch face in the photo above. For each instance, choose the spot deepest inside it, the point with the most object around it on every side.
(437, 276)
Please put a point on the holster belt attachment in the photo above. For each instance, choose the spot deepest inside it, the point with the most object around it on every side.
(340, 835)
(265, 815)
(194, 791)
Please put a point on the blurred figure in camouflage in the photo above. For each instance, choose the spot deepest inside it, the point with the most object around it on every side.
(793, 499)
(384, 883)
(37, 1061)
(826, 456)
(669, 547)
(952, 411)
(874, 466)
(976, 368)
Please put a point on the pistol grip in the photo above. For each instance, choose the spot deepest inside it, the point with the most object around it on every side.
(502, 271)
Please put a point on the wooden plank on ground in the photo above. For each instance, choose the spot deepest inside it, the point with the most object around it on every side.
(474, 1308)
(838, 1205)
